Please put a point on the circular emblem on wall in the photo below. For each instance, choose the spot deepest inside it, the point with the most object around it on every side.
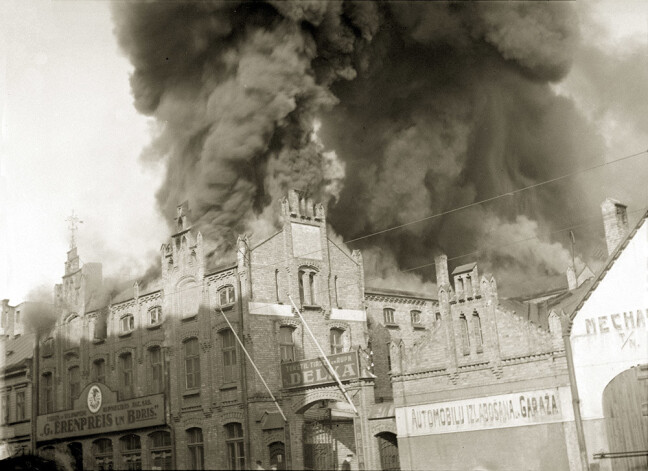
(94, 399)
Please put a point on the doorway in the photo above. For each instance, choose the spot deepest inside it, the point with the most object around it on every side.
(388, 449)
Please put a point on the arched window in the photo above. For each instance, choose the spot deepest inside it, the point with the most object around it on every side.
(74, 385)
(47, 403)
(192, 363)
(102, 452)
(416, 318)
(277, 452)
(126, 376)
(465, 337)
(336, 341)
(230, 371)
(286, 343)
(155, 315)
(160, 447)
(99, 371)
(479, 338)
(131, 452)
(235, 450)
(126, 324)
(196, 448)
(437, 317)
(226, 296)
(157, 377)
(388, 315)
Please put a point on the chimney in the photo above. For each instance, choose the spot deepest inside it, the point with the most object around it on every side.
(572, 282)
(615, 221)
(441, 264)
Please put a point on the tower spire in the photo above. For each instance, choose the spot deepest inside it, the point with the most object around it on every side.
(73, 222)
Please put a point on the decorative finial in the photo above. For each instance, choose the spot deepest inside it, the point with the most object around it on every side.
(73, 221)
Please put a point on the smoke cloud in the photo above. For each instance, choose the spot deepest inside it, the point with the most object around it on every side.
(423, 107)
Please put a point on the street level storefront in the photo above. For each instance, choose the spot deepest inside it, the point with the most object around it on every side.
(609, 339)
(325, 429)
(101, 432)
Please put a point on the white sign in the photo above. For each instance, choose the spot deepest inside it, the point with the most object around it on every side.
(506, 410)
(94, 399)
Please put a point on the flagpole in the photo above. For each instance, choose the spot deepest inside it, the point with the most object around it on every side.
(253, 365)
(328, 363)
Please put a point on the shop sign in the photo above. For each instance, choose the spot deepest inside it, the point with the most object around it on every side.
(305, 373)
(506, 410)
(95, 413)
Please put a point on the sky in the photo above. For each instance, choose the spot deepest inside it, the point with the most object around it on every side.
(71, 137)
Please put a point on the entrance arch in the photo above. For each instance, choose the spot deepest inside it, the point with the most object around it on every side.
(388, 450)
(626, 425)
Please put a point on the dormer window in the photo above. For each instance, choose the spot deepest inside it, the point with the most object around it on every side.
(226, 296)
(155, 315)
(126, 324)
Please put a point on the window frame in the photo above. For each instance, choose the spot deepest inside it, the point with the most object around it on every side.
(103, 456)
(465, 334)
(286, 349)
(334, 346)
(126, 453)
(47, 385)
(389, 316)
(99, 373)
(230, 356)
(74, 384)
(129, 327)
(196, 448)
(235, 446)
(192, 362)
(4, 409)
(164, 450)
(416, 318)
(477, 329)
(155, 316)
(157, 369)
(127, 391)
(230, 296)
(21, 405)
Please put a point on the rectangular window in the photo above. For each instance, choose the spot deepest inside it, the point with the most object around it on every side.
(126, 377)
(388, 314)
(99, 371)
(20, 406)
(230, 371)
(416, 317)
(335, 338)
(74, 386)
(286, 344)
(226, 296)
(48, 396)
(155, 357)
(4, 405)
(196, 448)
(192, 364)
(235, 450)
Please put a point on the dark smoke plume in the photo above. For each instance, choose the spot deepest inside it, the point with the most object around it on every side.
(427, 105)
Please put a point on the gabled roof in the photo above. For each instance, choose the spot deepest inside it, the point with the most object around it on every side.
(464, 268)
(607, 266)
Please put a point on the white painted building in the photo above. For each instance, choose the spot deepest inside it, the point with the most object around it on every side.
(609, 339)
